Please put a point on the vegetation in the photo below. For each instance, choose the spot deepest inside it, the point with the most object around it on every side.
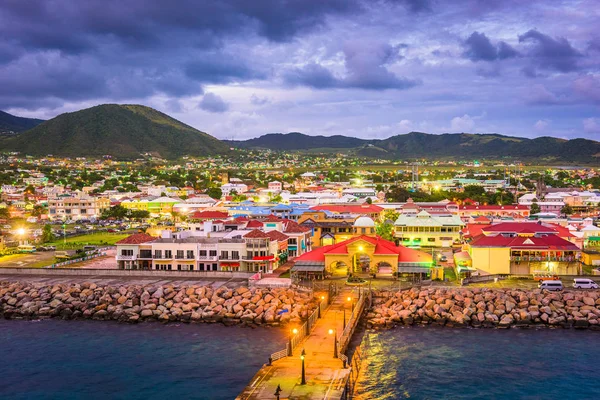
(120, 212)
(121, 131)
(11, 123)
(422, 145)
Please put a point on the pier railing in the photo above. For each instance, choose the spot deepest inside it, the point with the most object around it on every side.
(352, 377)
(352, 322)
(302, 332)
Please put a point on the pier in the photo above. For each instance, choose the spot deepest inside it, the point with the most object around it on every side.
(318, 347)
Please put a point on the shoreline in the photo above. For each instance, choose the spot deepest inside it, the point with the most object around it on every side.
(163, 303)
(486, 308)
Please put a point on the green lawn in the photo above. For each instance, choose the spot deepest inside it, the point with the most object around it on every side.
(449, 274)
(93, 239)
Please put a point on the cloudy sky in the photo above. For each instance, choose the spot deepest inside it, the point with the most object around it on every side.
(368, 68)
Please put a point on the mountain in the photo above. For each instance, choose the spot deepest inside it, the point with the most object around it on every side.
(298, 141)
(10, 124)
(423, 145)
(119, 130)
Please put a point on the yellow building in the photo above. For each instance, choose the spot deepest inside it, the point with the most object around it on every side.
(331, 229)
(363, 255)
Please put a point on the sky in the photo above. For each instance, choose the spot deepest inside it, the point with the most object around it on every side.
(367, 68)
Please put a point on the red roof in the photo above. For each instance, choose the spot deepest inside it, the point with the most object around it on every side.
(519, 227)
(549, 242)
(349, 208)
(256, 234)
(493, 207)
(254, 224)
(209, 215)
(290, 226)
(137, 238)
(276, 235)
(382, 247)
(272, 218)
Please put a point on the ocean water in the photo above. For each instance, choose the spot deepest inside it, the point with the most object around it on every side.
(442, 363)
(53, 359)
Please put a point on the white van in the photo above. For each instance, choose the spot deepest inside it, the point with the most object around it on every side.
(581, 283)
(553, 286)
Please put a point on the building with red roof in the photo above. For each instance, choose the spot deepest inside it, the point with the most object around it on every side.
(523, 248)
(208, 215)
(515, 211)
(363, 254)
(368, 210)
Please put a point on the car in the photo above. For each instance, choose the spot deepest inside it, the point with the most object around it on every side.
(443, 259)
(551, 285)
(584, 283)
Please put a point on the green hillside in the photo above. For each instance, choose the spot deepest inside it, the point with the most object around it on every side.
(447, 146)
(12, 124)
(122, 131)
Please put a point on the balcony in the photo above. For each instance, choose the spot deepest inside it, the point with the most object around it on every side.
(230, 258)
(207, 258)
(543, 259)
(144, 256)
(162, 257)
(121, 257)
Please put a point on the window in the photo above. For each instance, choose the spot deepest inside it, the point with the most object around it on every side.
(213, 253)
(224, 255)
(179, 253)
(431, 239)
(363, 230)
(157, 254)
(202, 253)
(326, 230)
(168, 254)
(235, 255)
(201, 266)
(126, 252)
(190, 254)
(214, 267)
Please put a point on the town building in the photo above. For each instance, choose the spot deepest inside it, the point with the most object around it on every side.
(423, 229)
(524, 248)
(76, 206)
(363, 255)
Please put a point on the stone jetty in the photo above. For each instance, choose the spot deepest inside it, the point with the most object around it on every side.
(136, 303)
(481, 307)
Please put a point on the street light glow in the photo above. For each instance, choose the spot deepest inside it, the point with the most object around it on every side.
(331, 331)
(294, 331)
(21, 231)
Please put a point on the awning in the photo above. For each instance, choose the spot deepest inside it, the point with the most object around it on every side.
(226, 264)
(414, 270)
(308, 268)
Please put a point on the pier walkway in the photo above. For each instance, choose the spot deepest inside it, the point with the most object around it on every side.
(326, 376)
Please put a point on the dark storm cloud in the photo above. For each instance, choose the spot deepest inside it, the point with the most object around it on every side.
(213, 103)
(136, 48)
(480, 48)
(550, 53)
(365, 63)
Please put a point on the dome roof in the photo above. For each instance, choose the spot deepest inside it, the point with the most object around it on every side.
(364, 222)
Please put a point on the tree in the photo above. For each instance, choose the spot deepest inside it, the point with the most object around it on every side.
(4, 213)
(566, 210)
(215, 193)
(534, 208)
(369, 201)
(38, 210)
(391, 215)
(47, 235)
(386, 231)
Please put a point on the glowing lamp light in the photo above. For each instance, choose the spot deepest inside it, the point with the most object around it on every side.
(21, 231)
(322, 297)
(294, 331)
(360, 248)
(331, 331)
(349, 298)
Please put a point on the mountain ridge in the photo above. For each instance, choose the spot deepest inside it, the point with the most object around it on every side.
(11, 124)
(119, 130)
(446, 145)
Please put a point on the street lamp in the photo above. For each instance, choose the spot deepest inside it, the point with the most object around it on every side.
(292, 334)
(278, 391)
(351, 302)
(335, 349)
(303, 381)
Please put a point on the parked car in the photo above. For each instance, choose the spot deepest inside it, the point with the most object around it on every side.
(443, 258)
(553, 286)
(581, 283)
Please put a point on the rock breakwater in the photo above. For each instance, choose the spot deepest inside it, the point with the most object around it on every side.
(135, 303)
(481, 307)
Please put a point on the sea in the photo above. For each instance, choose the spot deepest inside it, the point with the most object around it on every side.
(54, 359)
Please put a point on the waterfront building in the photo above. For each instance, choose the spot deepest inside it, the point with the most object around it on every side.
(363, 255)
(514, 211)
(427, 230)
(525, 247)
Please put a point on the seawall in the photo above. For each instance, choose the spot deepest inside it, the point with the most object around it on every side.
(481, 307)
(166, 303)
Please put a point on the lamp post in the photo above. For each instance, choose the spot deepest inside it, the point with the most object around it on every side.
(335, 348)
(351, 302)
(303, 381)
(292, 334)
(344, 325)
(278, 391)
